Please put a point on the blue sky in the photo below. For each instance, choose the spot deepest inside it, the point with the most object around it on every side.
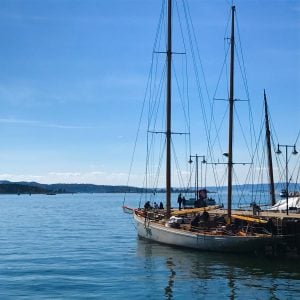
(73, 76)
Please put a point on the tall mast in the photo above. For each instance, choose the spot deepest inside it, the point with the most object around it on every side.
(269, 152)
(231, 103)
(168, 111)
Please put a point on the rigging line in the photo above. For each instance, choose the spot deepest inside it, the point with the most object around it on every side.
(192, 170)
(145, 181)
(251, 119)
(188, 108)
(293, 170)
(239, 188)
(180, 94)
(242, 66)
(273, 130)
(154, 124)
(226, 51)
(228, 21)
(159, 96)
(262, 137)
(212, 120)
(227, 69)
(181, 32)
(297, 137)
(156, 100)
(156, 42)
(149, 170)
(155, 91)
(153, 143)
(221, 72)
(187, 153)
(297, 177)
(254, 155)
(242, 55)
(187, 115)
(195, 69)
(179, 174)
(153, 86)
(161, 29)
(211, 154)
(186, 8)
(243, 133)
(280, 166)
(138, 130)
(158, 38)
(187, 13)
(218, 132)
(181, 28)
(155, 106)
(257, 194)
(159, 26)
(157, 45)
(156, 180)
(155, 113)
(242, 72)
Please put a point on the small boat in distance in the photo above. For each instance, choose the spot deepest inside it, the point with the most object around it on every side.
(283, 193)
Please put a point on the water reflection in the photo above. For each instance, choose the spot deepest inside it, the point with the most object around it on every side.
(168, 289)
(215, 274)
(231, 283)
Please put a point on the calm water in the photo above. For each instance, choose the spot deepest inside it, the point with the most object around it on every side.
(84, 247)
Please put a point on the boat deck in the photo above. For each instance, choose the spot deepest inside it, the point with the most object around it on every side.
(268, 214)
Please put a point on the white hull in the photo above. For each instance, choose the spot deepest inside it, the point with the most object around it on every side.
(201, 241)
(294, 202)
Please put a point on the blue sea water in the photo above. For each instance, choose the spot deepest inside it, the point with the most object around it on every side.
(82, 246)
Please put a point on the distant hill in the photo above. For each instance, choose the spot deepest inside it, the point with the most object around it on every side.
(7, 187)
(15, 188)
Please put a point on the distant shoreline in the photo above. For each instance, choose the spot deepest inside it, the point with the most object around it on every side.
(31, 188)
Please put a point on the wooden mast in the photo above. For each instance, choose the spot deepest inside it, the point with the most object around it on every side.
(231, 103)
(168, 111)
(269, 152)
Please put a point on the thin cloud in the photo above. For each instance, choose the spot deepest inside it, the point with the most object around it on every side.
(42, 124)
(20, 177)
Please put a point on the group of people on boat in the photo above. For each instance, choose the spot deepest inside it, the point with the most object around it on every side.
(181, 200)
(148, 206)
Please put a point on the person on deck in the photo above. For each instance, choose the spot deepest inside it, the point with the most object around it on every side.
(179, 200)
(161, 206)
(205, 216)
(147, 205)
(195, 221)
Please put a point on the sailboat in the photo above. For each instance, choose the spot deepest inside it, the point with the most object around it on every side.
(289, 201)
(195, 228)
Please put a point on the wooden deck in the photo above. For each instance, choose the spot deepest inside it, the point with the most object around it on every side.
(269, 214)
(243, 212)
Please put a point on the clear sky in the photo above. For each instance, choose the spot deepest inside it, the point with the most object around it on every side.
(73, 76)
